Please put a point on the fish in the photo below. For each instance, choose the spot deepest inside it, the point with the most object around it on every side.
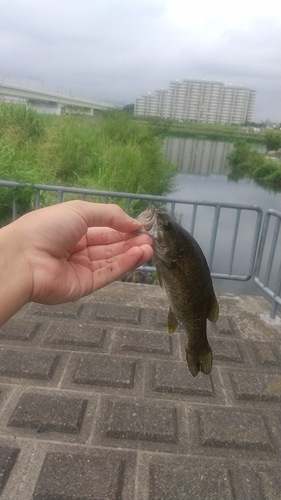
(183, 272)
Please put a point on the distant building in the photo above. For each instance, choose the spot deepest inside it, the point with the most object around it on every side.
(201, 101)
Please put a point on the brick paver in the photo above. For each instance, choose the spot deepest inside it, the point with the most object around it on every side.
(97, 402)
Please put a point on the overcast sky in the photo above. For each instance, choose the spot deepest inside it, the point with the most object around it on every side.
(117, 50)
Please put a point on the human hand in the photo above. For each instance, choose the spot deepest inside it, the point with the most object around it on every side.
(64, 252)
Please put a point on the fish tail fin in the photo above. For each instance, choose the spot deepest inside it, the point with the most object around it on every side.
(201, 360)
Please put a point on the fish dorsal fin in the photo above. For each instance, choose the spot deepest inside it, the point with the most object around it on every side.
(172, 321)
(214, 310)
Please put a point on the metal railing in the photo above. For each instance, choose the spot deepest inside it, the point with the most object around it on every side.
(227, 234)
(269, 250)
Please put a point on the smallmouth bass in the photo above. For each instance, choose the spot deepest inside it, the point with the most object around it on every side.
(184, 273)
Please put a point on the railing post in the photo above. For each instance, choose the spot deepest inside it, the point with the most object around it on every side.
(60, 196)
(277, 292)
(15, 210)
(214, 235)
(274, 295)
(37, 199)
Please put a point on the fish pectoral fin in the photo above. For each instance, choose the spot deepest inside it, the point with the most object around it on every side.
(159, 277)
(214, 310)
(172, 321)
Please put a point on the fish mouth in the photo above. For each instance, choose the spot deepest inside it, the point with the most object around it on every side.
(149, 220)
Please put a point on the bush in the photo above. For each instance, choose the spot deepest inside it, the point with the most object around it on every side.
(248, 163)
(273, 139)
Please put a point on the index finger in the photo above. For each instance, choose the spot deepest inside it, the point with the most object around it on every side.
(105, 215)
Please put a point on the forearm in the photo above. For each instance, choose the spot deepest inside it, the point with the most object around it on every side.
(15, 279)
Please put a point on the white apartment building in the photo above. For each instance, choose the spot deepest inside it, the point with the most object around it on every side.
(201, 101)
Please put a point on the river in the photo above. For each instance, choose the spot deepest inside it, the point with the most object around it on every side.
(203, 176)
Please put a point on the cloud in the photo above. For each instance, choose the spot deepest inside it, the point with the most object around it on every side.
(118, 50)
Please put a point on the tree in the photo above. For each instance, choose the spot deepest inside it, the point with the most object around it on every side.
(129, 108)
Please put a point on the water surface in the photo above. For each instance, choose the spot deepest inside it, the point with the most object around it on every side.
(203, 176)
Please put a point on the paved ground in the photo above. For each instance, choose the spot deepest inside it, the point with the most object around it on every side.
(97, 403)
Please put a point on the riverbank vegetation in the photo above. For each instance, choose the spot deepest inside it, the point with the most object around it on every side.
(270, 138)
(216, 132)
(245, 162)
(109, 152)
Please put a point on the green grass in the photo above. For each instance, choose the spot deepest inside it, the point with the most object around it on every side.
(112, 152)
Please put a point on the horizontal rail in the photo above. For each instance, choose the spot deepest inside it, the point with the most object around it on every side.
(112, 194)
(174, 204)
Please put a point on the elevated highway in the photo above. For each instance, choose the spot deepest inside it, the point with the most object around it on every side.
(50, 102)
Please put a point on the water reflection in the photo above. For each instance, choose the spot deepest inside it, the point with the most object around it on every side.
(198, 156)
(203, 176)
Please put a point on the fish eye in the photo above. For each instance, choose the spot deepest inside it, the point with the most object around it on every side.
(167, 226)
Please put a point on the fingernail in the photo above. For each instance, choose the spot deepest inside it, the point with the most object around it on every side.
(135, 221)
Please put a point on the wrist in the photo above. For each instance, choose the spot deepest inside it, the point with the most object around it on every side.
(15, 279)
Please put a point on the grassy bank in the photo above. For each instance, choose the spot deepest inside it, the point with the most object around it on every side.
(245, 162)
(110, 152)
(215, 132)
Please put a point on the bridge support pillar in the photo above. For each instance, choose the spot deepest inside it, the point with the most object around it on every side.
(51, 108)
(88, 111)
